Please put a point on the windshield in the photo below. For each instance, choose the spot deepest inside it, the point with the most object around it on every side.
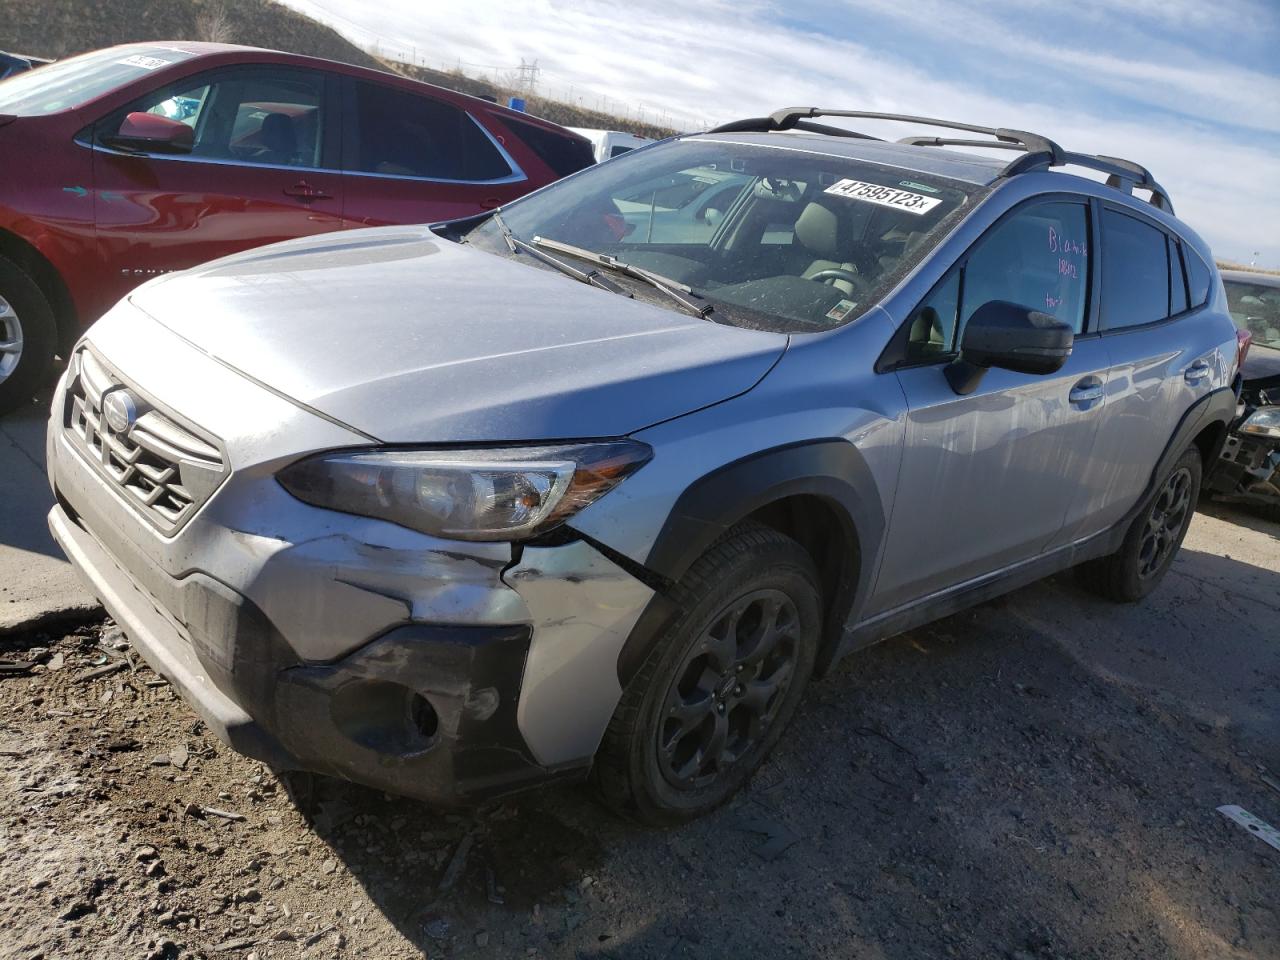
(777, 239)
(1256, 307)
(67, 84)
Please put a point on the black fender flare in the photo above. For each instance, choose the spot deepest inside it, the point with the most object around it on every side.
(1216, 407)
(830, 469)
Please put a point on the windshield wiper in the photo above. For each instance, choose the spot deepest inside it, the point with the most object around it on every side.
(593, 277)
(674, 289)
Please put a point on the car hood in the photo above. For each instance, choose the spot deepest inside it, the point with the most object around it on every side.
(410, 338)
(1262, 363)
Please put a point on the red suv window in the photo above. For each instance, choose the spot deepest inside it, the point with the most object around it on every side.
(406, 135)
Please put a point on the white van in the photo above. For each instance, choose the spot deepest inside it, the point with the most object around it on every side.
(608, 144)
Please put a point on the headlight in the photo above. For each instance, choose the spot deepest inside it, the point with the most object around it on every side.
(510, 493)
(1263, 423)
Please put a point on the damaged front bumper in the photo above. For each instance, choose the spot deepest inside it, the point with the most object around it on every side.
(450, 713)
(319, 641)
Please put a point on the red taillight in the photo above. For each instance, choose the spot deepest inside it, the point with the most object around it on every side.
(1244, 340)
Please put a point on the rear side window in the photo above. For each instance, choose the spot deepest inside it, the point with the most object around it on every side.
(1135, 272)
(1197, 277)
(562, 153)
(1177, 279)
(403, 134)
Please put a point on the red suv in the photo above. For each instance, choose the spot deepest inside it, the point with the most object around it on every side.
(137, 160)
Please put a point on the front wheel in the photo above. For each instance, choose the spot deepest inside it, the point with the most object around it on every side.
(718, 689)
(1153, 540)
(27, 337)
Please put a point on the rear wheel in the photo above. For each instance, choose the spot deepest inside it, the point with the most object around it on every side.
(720, 686)
(27, 337)
(1153, 540)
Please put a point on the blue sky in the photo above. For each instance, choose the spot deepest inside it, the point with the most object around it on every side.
(1188, 88)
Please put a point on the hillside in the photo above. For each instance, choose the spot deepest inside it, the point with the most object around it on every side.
(59, 28)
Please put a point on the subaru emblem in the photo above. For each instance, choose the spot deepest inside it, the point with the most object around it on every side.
(120, 411)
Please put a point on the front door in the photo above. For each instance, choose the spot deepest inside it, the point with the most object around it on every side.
(259, 172)
(987, 479)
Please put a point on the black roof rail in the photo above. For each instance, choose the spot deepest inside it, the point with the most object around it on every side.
(762, 124)
(1039, 152)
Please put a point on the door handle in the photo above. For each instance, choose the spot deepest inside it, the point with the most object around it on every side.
(306, 192)
(490, 203)
(1086, 391)
(1197, 371)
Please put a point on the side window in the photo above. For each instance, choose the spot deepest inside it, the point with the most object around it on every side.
(933, 325)
(258, 115)
(407, 135)
(185, 105)
(1197, 277)
(1135, 272)
(564, 155)
(1038, 258)
(1177, 279)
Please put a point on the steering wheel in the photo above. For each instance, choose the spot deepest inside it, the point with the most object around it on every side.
(830, 275)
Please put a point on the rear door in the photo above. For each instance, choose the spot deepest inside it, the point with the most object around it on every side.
(987, 479)
(1161, 355)
(410, 158)
(261, 170)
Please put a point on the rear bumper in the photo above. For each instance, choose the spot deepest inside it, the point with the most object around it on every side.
(424, 711)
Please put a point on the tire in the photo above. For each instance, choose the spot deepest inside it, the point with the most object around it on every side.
(27, 322)
(731, 670)
(1153, 539)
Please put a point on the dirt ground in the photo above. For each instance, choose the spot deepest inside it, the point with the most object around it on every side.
(1035, 778)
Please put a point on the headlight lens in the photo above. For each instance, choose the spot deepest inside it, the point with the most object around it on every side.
(511, 493)
(1263, 423)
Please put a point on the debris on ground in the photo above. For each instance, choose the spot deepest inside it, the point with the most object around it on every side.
(980, 788)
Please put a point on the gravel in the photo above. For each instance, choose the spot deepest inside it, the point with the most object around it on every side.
(1035, 778)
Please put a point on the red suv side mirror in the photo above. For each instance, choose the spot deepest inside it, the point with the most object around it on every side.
(151, 133)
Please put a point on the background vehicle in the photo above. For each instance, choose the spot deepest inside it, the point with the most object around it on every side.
(454, 510)
(1250, 467)
(607, 144)
(129, 162)
(12, 63)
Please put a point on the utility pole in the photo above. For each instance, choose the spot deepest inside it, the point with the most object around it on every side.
(528, 75)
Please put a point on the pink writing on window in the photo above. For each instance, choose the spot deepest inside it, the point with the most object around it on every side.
(1061, 243)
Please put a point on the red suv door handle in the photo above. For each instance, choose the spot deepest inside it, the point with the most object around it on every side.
(490, 203)
(306, 192)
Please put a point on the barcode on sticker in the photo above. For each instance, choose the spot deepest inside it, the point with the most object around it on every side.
(146, 63)
(884, 196)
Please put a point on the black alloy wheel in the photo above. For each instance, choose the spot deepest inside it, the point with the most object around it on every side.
(719, 684)
(1151, 543)
(1165, 522)
(728, 688)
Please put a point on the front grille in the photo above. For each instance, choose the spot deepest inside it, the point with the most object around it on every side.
(162, 467)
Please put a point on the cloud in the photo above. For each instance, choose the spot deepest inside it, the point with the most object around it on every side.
(1206, 127)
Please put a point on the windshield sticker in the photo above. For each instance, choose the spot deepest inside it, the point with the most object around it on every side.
(841, 310)
(146, 63)
(884, 196)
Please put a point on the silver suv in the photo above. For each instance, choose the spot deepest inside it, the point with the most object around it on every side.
(595, 484)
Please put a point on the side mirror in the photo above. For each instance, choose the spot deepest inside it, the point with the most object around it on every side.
(152, 133)
(1012, 337)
